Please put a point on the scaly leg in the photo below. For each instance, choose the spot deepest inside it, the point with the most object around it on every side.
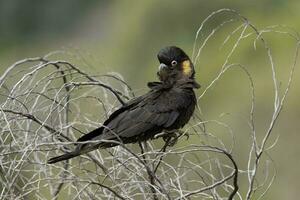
(171, 137)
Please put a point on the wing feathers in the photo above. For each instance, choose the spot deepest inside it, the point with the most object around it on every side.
(149, 114)
(171, 119)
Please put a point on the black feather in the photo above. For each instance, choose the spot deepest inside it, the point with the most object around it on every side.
(167, 106)
(63, 157)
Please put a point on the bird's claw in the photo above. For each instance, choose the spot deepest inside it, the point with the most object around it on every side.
(162, 134)
(170, 140)
(170, 137)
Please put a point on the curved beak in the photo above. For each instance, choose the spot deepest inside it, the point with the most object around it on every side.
(162, 71)
(162, 67)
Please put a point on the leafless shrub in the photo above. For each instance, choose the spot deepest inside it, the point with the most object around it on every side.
(46, 104)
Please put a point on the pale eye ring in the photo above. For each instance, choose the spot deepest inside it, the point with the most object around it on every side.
(173, 63)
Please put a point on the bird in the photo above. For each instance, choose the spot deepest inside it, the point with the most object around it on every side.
(165, 108)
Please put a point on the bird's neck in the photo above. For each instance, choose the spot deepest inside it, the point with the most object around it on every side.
(168, 84)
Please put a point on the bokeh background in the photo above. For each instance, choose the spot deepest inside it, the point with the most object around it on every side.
(124, 36)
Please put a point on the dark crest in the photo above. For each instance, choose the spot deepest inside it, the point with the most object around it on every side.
(170, 53)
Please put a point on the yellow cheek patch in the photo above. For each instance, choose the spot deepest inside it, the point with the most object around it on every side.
(186, 67)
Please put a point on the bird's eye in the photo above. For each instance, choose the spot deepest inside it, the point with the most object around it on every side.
(173, 63)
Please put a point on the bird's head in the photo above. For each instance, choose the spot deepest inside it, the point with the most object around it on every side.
(174, 65)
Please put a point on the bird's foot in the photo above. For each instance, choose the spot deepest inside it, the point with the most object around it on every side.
(170, 140)
(171, 137)
(162, 134)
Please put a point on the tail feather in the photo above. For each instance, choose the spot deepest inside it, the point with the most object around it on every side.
(63, 157)
(91, 135)
(81, 148)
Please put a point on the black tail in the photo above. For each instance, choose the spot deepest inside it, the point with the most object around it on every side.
(63, 157)
(81, 148)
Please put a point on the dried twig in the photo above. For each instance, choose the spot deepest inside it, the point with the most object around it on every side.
(43, 111)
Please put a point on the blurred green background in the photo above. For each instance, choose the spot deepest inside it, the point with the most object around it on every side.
(124, 36)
